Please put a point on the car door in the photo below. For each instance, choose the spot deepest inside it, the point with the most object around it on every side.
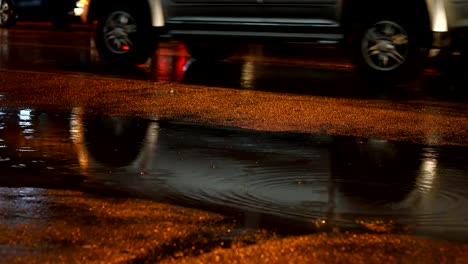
(222, 12)
(315, 20)
(302, 9)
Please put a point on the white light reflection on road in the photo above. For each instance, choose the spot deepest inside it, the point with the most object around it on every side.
(248, 75)
(421, 196)
(428, 170)
(24, 204)
(25, 117)
(4, 50)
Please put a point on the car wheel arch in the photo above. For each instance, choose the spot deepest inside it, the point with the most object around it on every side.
(98, 8)
(356, 14)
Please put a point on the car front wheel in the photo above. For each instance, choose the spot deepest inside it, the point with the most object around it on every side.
(124, 37)
(387, 50)
(7, 14)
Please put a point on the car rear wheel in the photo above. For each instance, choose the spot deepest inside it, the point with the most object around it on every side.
(387, 50)
(124, 37)
(7, 14)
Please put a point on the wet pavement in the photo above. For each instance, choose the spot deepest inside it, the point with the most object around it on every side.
(177, 161)
(71, 178)
(313, 181)
(56, 226)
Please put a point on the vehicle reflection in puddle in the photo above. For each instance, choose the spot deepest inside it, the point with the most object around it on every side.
(294, 69)
(251, 70)
(304, 181)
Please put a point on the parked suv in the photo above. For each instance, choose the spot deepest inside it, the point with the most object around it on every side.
(388, 39)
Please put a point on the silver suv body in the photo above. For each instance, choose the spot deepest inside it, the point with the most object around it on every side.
(388, 38)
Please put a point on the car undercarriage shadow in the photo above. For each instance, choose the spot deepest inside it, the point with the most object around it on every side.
(322, 81)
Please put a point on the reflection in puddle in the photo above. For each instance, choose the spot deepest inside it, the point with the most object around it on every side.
(284, 68)
(112, 143)
(293, 69)
(313, 181)
(252, 70)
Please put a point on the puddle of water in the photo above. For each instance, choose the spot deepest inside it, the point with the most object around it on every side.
(312, 181)
(35, 150)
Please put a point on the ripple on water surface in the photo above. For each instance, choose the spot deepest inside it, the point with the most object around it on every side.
(375, 184)
(338, 180)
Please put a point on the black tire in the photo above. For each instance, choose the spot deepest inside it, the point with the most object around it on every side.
(7, 14)
(389, 51)
(124, 36)
(210, 50)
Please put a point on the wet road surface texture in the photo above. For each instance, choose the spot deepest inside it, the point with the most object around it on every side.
(291, 184)
(314, 181)
(118, 188)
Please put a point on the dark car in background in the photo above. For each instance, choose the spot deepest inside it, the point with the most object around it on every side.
(59, 12)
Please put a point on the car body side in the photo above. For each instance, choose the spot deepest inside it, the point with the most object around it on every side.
(388, 40)
(442, 16)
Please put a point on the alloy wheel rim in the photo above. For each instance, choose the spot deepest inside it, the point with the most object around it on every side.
(5, 12)
(118, 29)
(385, 46)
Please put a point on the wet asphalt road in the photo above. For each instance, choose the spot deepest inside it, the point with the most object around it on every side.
(96, 161)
